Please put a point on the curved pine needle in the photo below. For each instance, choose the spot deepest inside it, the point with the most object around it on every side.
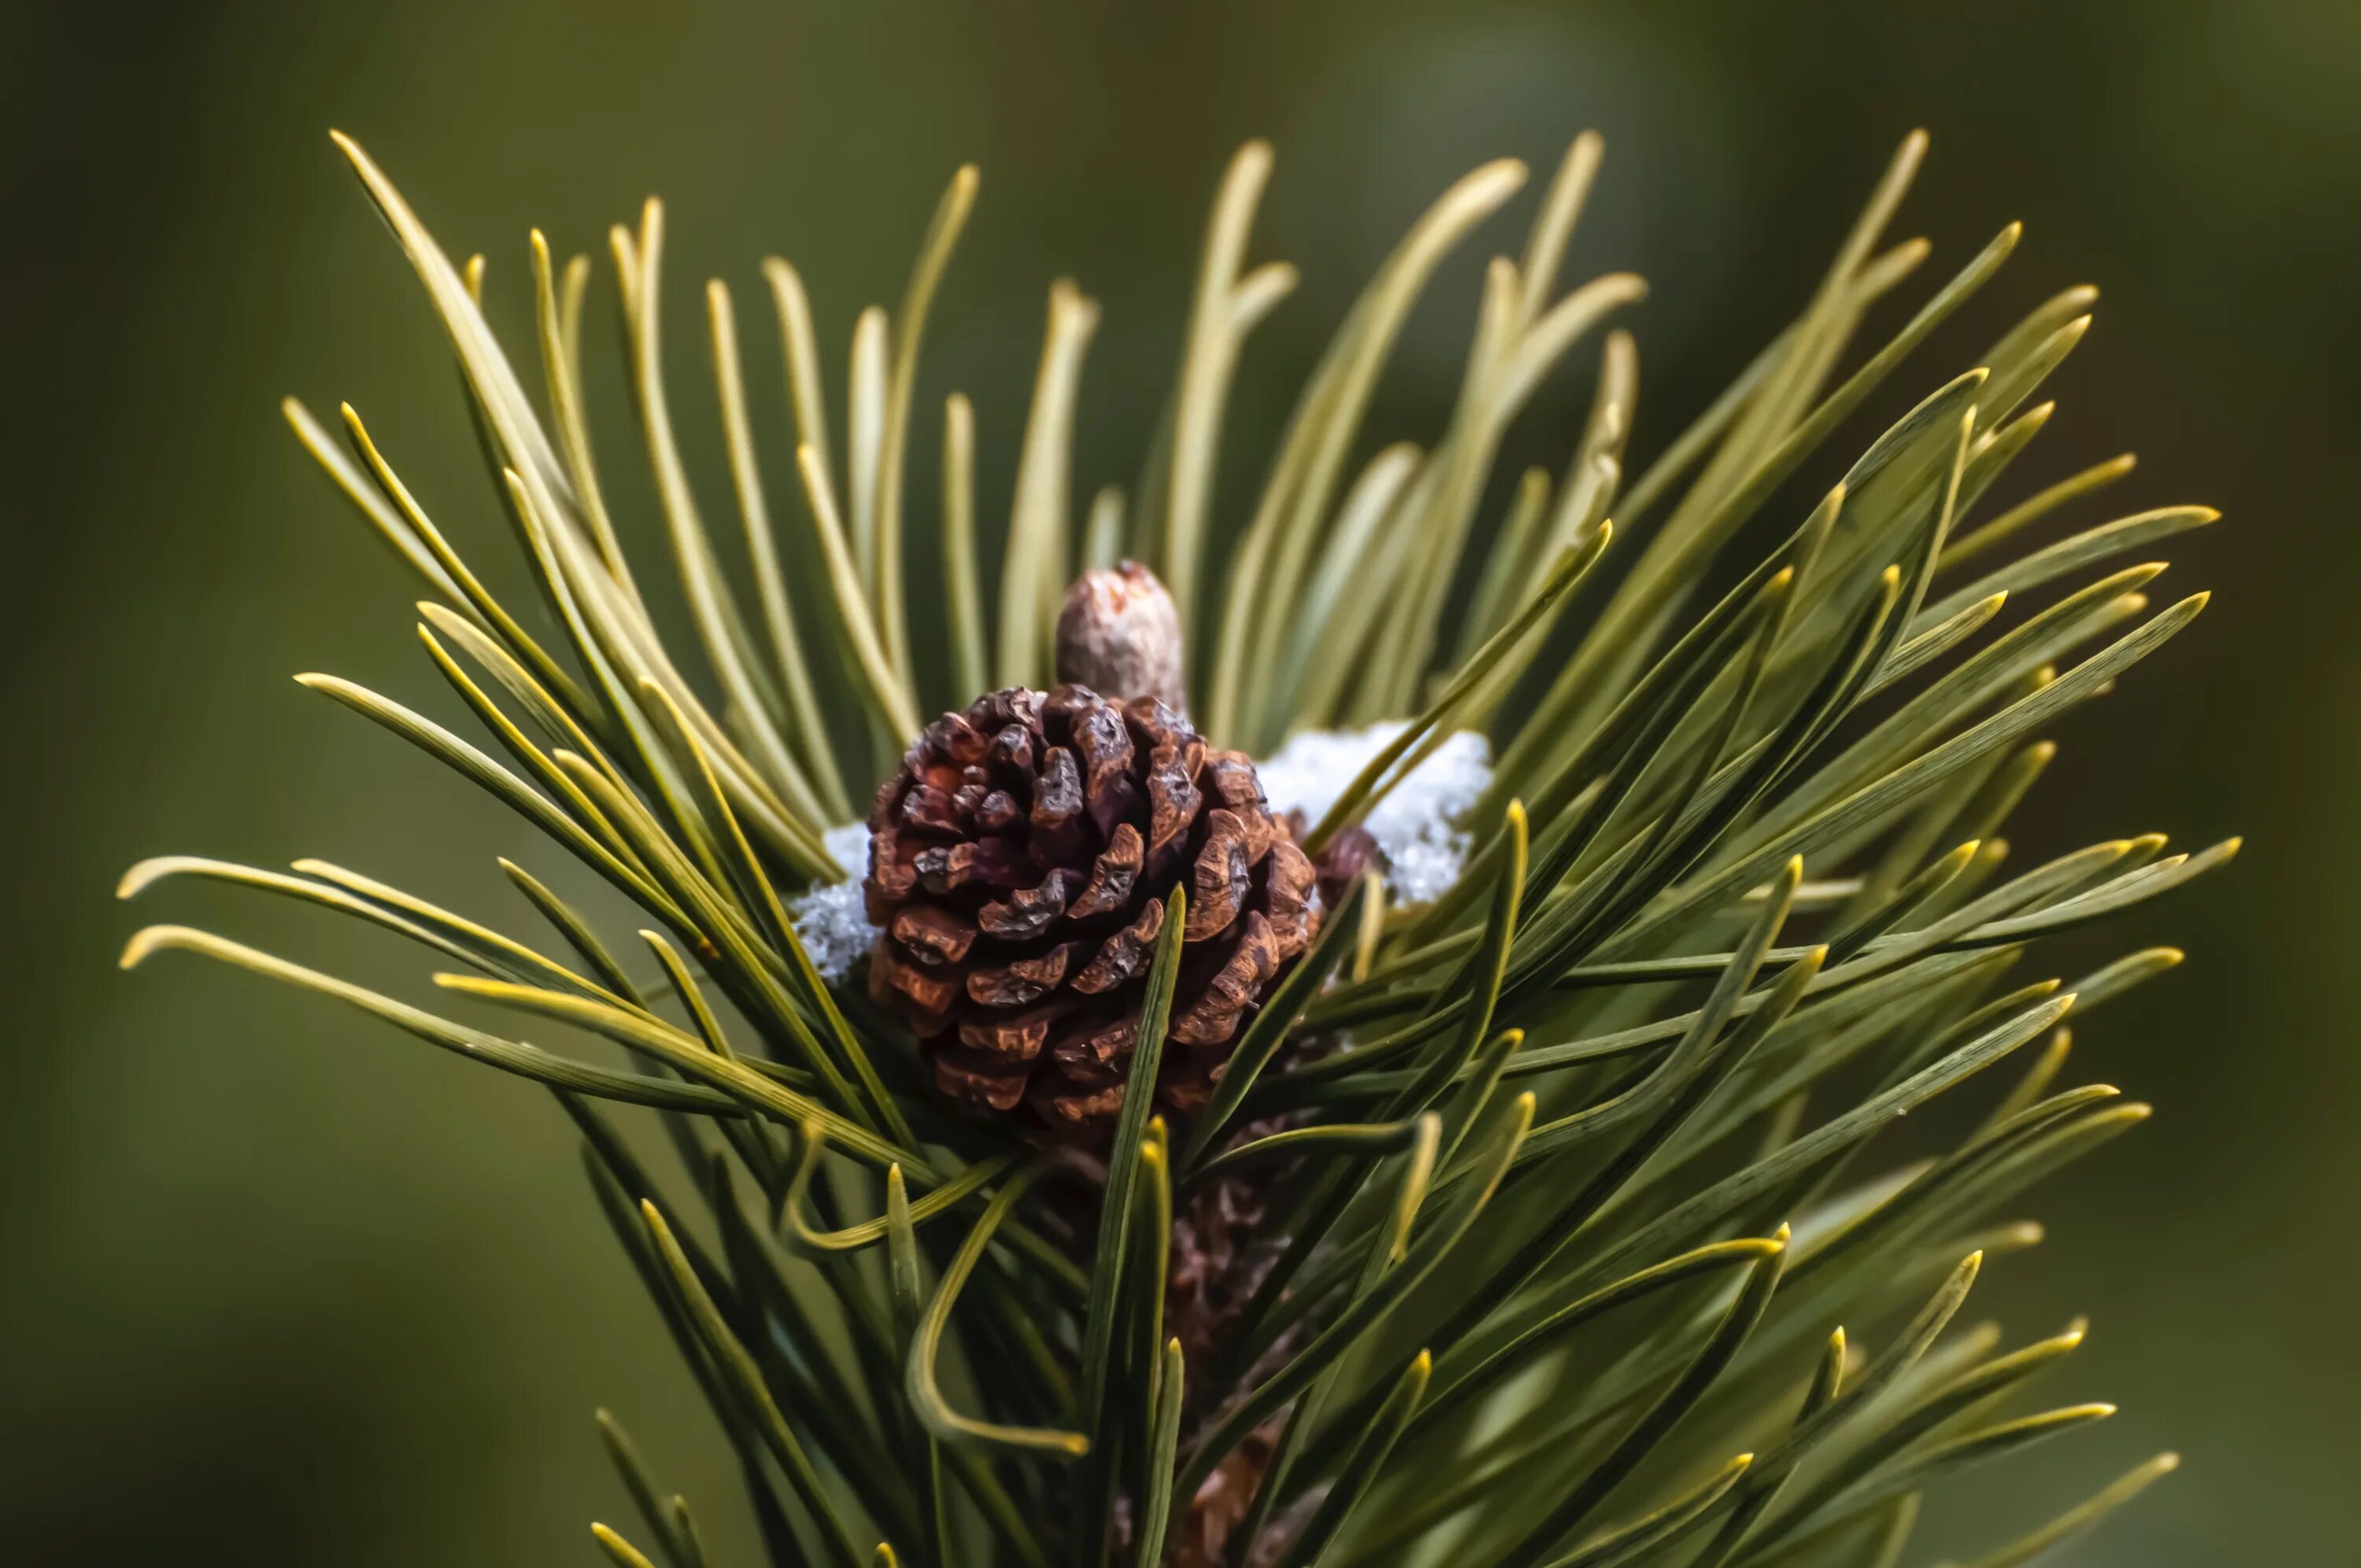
(799, 347)
(1512, 551)
(684, 1529)
(536, 762)
(1465, 1382)
(1033, 577)
(869, 1233)
(1661, 1528)
(644, 1496)
(2078, 1518)
(848, 1052)
(689, 1056)
(1766, 1485)
(1982, 540)
(1218, 328)
(510, 1056)
(713, 608)
(1980, 1447)
(357, 488)
(1361, 1467)
(1644, 1434)
(909, 328)
(745, 1379)
(864, 434)
(1116, 1287)
(500, 395)
(621, 1553)
(2050, 564)
(1266, 570)
(806, 732)
(889, 697)
(558, 726)
(575, 929)
(926, 1396)
(558, 321)
(962, 576)
(1164, 1442)
(1960, 1395)
(489, 775)
(472, 593)
(494, 954)
(1330, 1138)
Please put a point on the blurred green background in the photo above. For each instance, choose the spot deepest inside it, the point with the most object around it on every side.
(281, 1288)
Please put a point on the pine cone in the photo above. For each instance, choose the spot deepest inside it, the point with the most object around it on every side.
(1018, 865)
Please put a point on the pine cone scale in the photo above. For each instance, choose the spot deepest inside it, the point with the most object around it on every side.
(1019, 861)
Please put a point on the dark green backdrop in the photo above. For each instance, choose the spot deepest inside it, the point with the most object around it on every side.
(282, 1288)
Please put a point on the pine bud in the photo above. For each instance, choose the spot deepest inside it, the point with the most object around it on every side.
(1119, 635)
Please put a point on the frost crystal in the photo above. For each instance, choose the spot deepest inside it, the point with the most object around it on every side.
(1416, 827)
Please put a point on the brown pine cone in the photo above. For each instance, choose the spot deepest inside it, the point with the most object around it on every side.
(1018, 864)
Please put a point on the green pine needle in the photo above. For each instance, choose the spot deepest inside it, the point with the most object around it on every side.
(1576, 1181)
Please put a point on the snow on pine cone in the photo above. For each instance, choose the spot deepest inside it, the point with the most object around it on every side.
(1018, 867)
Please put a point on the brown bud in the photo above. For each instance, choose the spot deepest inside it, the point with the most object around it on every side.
(1119, 635)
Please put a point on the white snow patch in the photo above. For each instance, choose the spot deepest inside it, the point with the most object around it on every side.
(1416, 827)
(830, 920)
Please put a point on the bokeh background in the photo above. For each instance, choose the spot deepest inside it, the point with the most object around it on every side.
(281, 1288)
